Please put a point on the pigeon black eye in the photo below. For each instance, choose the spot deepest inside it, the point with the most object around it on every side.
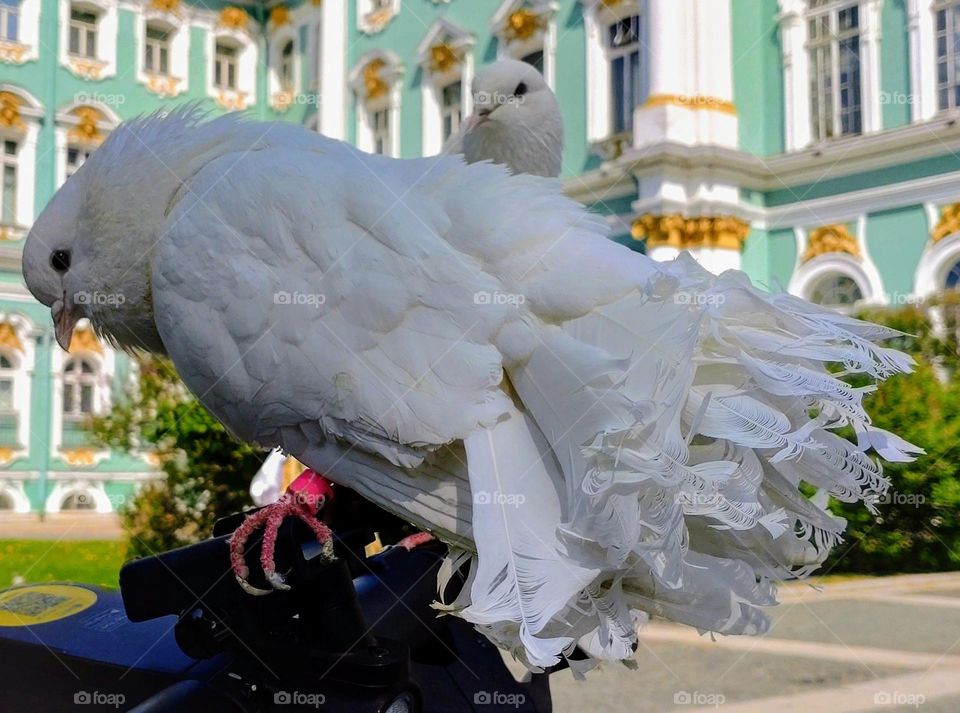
(520, 90)
(60, 260)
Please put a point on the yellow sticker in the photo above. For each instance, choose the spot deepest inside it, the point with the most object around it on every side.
(43, 603)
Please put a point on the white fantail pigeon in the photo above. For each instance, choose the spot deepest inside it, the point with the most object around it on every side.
(601, 435)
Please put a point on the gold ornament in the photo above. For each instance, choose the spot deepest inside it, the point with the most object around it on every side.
(373, 83)
(171, 6)
(84, 340)
(683, 233)
(831, 239)
(280, 16)
(443, 58)
(9, 338)
(696, 102)
(949, 222)
(234, 17)
(80, 456)
(86, 131)
(10, 111)
(522, 25)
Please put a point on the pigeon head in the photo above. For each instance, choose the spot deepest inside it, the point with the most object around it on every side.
(89, 253)
(516, 120)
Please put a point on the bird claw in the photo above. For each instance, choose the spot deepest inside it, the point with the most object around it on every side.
(303, 500)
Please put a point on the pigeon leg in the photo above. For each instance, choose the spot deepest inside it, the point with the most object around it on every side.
(305, 497)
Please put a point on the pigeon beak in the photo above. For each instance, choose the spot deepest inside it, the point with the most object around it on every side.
(64, 320)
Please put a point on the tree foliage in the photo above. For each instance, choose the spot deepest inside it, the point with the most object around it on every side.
(207, 471)
(917, 527)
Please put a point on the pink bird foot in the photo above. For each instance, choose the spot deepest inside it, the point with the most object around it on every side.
(305, 497)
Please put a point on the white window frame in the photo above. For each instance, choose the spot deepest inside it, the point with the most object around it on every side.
(177, 79)
(10, 160)
(245, 94)
(861, 269)
(66, 119)
(280, 97)
(922, 28)
(544, 41)
(104, 64)
(26, 47)
(157, 50)
(366, 108)
(433, 82)
(87, 33)
(597, 19)
(6, 11)
(106, 365)
(26, 136)
(793, 18)
(23, 359)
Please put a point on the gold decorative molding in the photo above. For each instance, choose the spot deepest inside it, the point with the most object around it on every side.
(377, 20)
(171, 6)
(444, 57)
(6, 455)
(522, 24)
(10, 111)
(84, 340)
(86, 130)
(12, 52)
(373, 82)
(696, 102)
(163, 85)
(280, 16)
(831, 239)
(87, 68)
(949, 222)
(282, 100)
(234, 18)
(80, 456)
(231, 101)
(9, 337)
(676, 231)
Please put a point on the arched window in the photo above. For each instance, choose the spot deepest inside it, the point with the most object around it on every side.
(10, 20)
(76, 157)
(285, 67)
(376, 82)
(952, 279)
(8, 189)
(79, 400)
(835, 290)
(78, 500)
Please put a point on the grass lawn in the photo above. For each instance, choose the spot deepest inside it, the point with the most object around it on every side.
(90, 562)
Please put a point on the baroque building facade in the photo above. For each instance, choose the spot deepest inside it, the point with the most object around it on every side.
(812, 143)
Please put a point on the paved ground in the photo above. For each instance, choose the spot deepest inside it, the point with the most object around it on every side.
(887, 644)
(60, 526)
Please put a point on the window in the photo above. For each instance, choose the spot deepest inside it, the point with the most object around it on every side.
(285, 69)
(156, 51)
(952, 280)
(833, 46)
(626, 90)
(8, 188)
(836, 290)
(382, 140)
(83, 33)
(76, 157)
(9, 20)
(6, 384)
(948, 55)
(79, 389)
(225, 66)
(79, 500)
(451, 108)
(6, 502)
(534, 59)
